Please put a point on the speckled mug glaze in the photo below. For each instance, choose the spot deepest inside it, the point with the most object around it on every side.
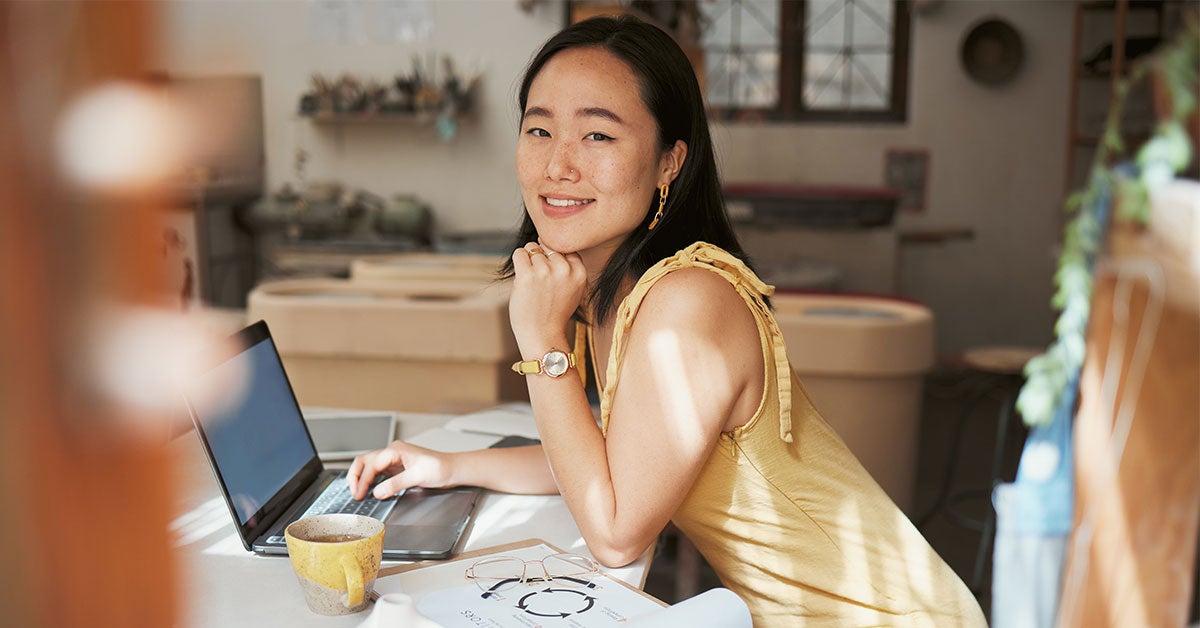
(335, 576)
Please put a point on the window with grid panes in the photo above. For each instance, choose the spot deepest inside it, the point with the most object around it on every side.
(817, 60)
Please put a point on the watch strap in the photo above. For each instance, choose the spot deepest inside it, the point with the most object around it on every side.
(534, 367)
(527, 367)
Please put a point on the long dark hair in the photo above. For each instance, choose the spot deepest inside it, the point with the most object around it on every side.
(695, 209)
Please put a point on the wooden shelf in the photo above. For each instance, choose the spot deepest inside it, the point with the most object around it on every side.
(1111, 5)
(1110, 20)
(1104, 75)
(326, 117)
(935, 235)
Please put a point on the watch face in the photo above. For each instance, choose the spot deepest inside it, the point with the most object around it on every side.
(555, 363)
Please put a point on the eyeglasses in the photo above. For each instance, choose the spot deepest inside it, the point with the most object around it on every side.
(500, 573)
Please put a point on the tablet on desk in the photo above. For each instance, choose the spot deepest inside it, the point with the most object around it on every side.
(340, 435)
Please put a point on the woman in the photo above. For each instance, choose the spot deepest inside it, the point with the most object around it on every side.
(702, 421)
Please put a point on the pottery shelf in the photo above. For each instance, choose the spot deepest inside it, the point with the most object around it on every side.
(328, 117)
(1110, 24)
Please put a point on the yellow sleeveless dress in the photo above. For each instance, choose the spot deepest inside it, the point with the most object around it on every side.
(785, 514)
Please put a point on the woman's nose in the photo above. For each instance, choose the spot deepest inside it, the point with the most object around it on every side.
(561, 166)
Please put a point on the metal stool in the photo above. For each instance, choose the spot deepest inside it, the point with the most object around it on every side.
(1005, 366)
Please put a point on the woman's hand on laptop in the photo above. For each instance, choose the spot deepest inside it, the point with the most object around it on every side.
(404, 465)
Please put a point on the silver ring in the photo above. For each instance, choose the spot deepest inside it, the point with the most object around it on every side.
(548, 253)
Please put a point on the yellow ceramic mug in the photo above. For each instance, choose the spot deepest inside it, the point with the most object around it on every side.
(336, 559)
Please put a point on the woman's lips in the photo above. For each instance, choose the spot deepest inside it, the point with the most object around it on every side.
(563, 206)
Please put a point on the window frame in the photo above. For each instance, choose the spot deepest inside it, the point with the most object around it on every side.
(791, 106)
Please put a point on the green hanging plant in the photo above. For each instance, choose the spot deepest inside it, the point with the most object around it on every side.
(1166, 153)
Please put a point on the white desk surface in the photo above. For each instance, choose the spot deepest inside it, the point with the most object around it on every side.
(224, 585)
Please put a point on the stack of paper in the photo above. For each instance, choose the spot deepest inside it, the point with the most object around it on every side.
(510, 419)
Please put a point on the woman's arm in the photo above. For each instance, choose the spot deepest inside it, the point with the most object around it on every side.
(509, 470)
(693, 359)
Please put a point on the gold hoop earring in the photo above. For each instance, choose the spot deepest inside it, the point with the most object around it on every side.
(662, 201)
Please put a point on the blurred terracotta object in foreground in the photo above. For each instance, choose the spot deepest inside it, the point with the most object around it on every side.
(1131, 557)
(84, 497)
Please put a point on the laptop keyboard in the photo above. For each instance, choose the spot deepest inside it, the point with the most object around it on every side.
(336, 498)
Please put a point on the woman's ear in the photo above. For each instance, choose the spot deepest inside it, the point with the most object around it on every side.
(672, 162)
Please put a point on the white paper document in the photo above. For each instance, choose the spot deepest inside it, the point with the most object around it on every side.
(503, 420)
(603, 603)
(715, 608)
(444, 595)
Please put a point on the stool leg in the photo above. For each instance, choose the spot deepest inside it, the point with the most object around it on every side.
(1002, 426)
(983, 553)
(952, 458)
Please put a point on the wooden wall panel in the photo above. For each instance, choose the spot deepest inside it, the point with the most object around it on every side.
(1137, 439)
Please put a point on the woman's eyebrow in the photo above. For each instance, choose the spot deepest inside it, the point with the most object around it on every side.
(599, 112)
(537, 112)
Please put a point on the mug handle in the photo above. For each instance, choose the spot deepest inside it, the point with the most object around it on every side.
(354, 580)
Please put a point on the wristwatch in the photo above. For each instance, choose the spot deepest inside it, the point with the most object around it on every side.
(555, 363)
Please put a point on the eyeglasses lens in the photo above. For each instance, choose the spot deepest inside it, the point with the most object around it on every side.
(572, 565)
(498, 574)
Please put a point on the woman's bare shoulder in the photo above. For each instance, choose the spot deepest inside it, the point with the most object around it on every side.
(697, 298)
(700, 317)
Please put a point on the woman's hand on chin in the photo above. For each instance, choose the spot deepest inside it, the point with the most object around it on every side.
(548, 287)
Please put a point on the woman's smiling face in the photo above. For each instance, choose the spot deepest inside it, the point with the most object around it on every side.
(589, 160)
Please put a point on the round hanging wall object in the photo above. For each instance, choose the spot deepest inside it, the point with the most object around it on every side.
(992, 52)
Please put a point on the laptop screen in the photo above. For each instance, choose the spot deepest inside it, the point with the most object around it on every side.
(257, 437)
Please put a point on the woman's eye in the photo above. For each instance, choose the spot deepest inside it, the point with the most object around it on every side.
(597, 137)
(536, 132)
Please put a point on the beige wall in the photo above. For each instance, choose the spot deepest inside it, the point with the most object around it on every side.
(996, 159)
(996, 154)
(469, 181)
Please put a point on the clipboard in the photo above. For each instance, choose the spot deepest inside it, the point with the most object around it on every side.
(497, 550)
(442, 593)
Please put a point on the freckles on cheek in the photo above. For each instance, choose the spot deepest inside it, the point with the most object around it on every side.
(623, 179)
(525, 171)
(528, 171)
(526, 181)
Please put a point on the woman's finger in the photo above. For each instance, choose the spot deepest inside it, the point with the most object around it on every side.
(537, 256)
(553, 257)
(521, 263)
(352, 477)
(576, 264)
(366, 472)
(393, 486)
(373, 464)
(385, 459)
(360, 481)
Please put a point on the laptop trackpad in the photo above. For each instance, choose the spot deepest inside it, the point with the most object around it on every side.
(428, 523)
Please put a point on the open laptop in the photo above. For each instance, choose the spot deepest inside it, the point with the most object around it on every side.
(268, 469)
